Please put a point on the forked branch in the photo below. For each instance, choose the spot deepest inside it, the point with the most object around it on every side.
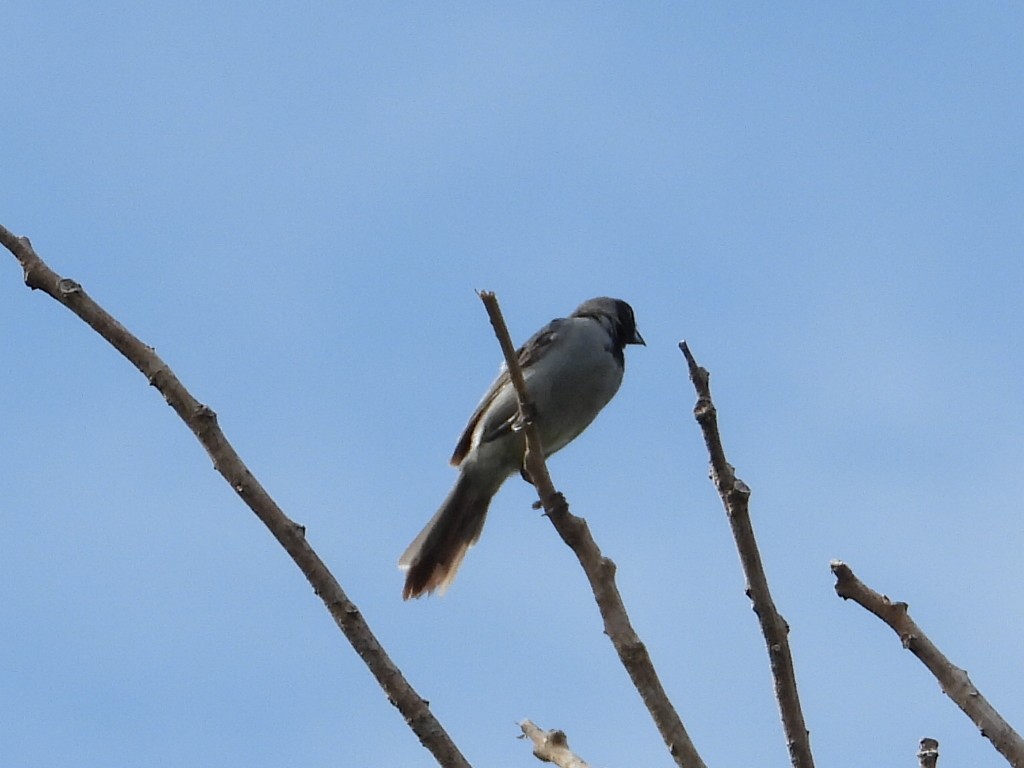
(551, 746)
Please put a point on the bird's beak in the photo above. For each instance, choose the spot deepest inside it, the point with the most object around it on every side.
(637, 338)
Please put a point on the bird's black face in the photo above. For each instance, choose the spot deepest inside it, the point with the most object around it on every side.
(615, 313)
(627, 324)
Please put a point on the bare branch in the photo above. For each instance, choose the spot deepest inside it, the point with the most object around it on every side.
(600, 570)
(203, 422)
(928, 753)
(735, 496)
(954, 681)
(551, 746)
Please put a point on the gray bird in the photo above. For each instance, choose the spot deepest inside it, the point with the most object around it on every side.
(572, 366)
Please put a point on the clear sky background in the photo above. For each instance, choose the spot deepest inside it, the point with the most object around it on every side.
(293, 203)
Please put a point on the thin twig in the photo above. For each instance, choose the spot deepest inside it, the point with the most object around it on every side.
(928, 753)
(551, 746)
(600, 570)
(954, 681)
(735, 496)
(203, 422)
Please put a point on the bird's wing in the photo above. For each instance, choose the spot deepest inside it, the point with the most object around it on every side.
(499, 422)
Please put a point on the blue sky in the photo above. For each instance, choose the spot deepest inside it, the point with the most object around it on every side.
(294, 205)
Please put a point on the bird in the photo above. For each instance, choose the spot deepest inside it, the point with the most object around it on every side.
(573, 367)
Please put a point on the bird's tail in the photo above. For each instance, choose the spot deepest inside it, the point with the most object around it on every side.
(435, 555)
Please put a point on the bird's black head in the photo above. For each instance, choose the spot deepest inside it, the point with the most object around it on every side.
(617, 315)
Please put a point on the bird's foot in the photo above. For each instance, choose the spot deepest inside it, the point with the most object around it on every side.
(527, 415)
